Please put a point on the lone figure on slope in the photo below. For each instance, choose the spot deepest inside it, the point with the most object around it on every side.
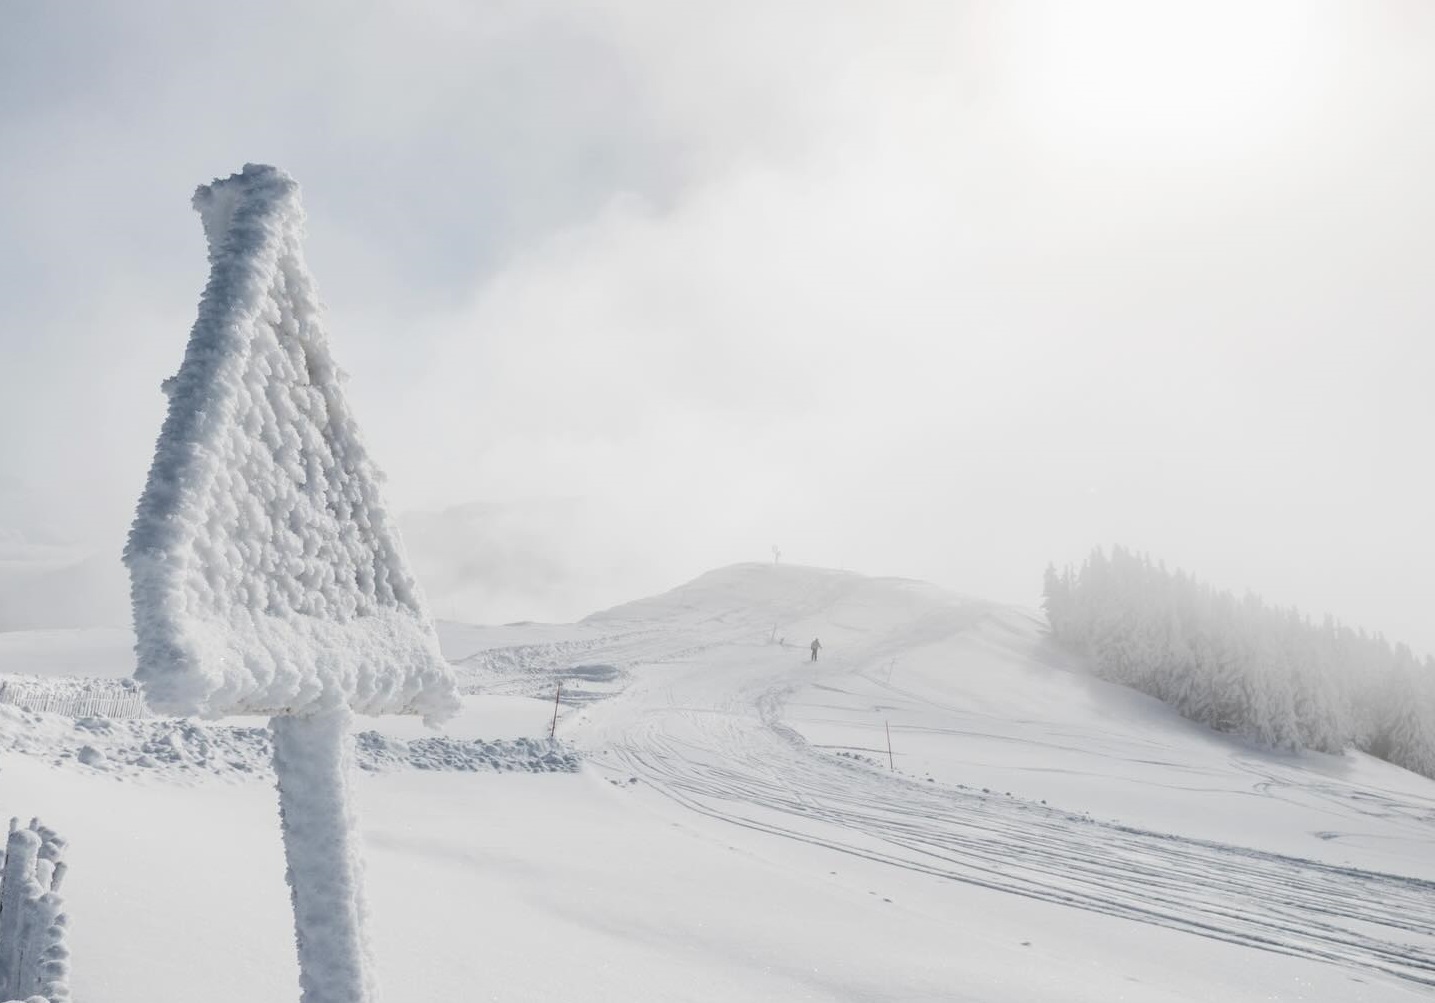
(815, 645)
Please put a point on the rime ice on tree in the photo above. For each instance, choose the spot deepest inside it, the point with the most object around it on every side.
(34, 959)
(266, 575)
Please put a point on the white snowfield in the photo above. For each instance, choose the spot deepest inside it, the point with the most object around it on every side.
(736, 832)
(266, 573)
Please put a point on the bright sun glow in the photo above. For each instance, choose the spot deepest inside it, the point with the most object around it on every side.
(1122, 73)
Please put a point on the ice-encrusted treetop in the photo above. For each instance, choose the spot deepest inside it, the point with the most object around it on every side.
(266, 575)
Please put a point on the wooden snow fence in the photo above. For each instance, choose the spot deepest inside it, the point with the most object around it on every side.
(34, 961)
(112, 698)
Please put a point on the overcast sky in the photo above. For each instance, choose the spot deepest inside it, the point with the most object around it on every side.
(941, 290)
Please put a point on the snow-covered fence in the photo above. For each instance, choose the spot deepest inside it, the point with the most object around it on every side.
(34, 961)
(112, 698)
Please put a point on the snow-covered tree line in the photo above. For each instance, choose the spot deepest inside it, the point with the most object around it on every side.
(1240, 665)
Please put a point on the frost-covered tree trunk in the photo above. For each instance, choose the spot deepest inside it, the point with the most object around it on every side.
(312, 759)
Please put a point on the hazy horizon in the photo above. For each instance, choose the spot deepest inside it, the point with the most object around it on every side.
(944, 291)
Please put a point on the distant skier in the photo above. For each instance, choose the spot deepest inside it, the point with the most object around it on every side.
(815, 645)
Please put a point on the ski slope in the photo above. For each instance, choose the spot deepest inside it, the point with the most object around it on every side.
(736, 831)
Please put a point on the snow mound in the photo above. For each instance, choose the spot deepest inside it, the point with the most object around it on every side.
(733, 600)
(266, 573)
(187, 749)
(525, 755)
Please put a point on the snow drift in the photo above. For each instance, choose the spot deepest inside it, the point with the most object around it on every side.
(187, 751)
(266, 574)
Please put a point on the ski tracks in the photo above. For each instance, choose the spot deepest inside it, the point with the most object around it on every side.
(733, 759)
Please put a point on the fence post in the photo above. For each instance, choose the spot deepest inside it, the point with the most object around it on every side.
(33, 956)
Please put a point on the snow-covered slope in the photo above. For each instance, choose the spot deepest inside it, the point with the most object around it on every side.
(737, 832)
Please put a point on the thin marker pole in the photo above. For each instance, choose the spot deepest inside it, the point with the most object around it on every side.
(553, 731)
(312, 758)
(891, 763)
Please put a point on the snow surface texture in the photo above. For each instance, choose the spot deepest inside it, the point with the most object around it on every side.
(34, 961)
(189, 750)
(734, 727)
(266, 574)
(1045, 835)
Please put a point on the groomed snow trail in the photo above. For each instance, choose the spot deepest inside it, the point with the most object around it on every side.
(703, 722)
(740, 764)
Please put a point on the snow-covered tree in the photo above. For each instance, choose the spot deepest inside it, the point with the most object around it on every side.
(1242, 666)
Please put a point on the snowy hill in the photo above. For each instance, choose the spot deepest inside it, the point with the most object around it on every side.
(736, 831)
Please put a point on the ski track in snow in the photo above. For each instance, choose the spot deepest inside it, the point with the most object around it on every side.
(751, 771)
(724, 752)
(696, 709)
(731, 757)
